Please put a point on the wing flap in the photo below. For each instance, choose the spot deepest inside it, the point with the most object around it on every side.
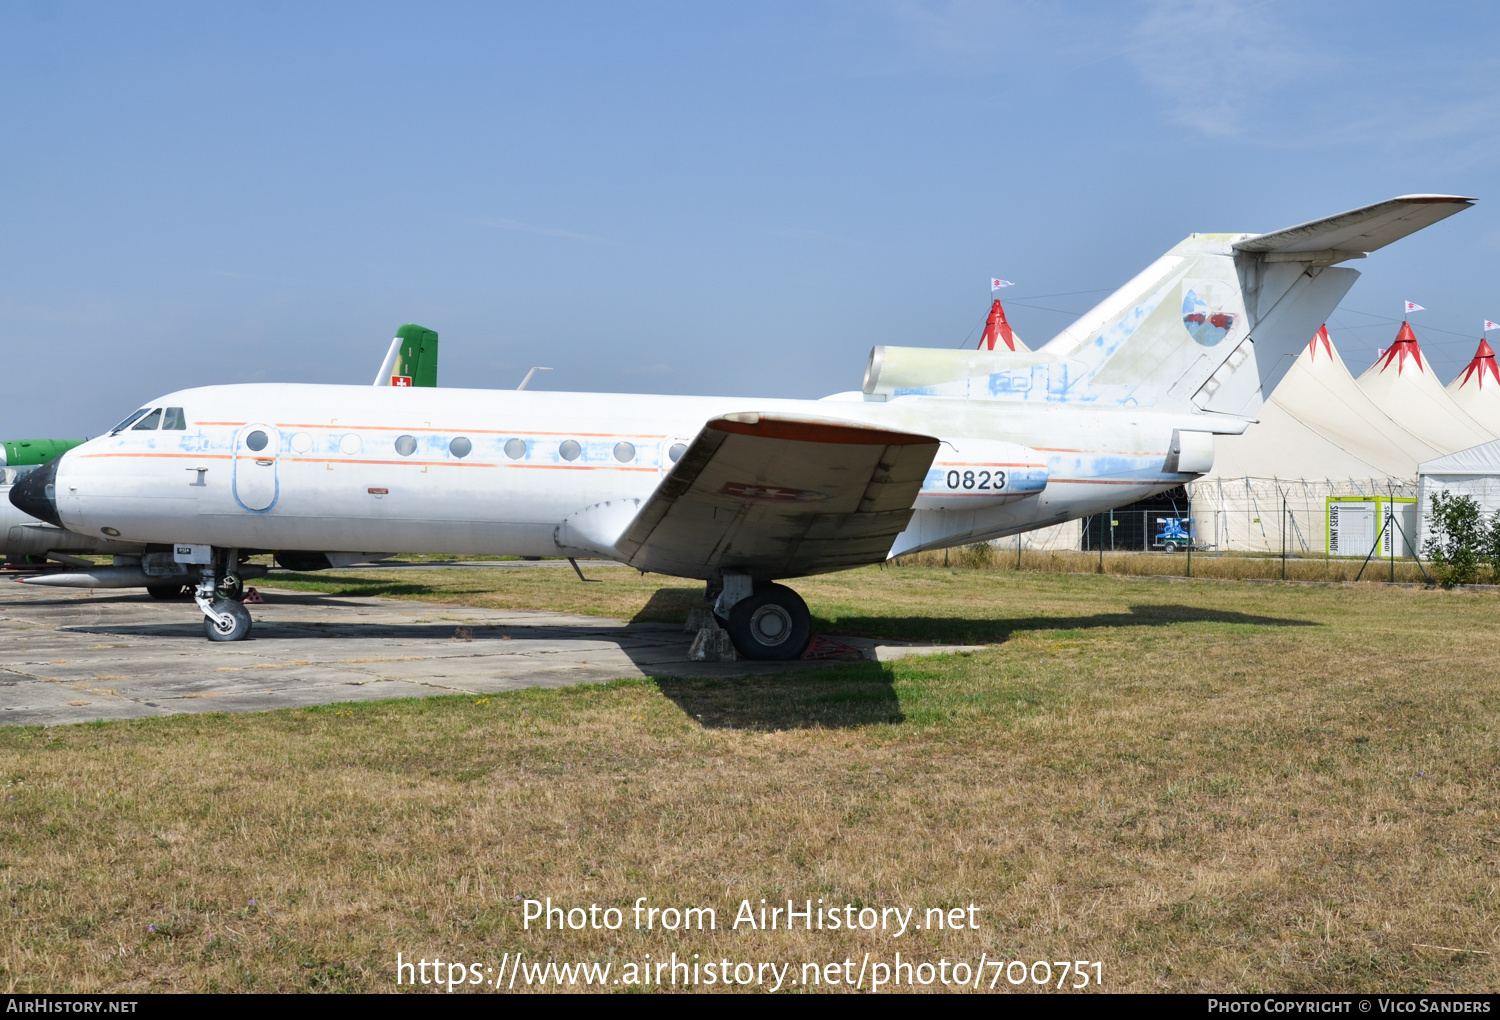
(780, 496)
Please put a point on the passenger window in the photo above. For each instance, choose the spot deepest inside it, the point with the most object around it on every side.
(461, 447)
(406, 445)
(174, 420)
(151, 421)
(515, 449)
(569, 449)
(676, 452)
(126, 423)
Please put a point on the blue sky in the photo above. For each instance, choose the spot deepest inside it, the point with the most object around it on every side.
(689, 198)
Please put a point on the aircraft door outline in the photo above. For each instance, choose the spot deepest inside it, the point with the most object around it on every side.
(257, 450)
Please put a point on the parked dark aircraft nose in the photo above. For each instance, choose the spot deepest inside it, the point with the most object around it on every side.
(33, 493)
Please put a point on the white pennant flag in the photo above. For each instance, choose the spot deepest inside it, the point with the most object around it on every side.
(1412, 306)
(1488, 325)
(997, 284)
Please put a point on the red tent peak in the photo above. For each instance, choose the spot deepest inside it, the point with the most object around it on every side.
(995, 327)
(1483, 365)
(1320, 339)
(1406, 346)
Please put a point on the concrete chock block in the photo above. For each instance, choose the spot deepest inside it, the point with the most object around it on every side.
(712, 644)
(698, 619)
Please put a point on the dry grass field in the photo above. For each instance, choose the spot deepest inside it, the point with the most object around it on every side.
(1202, 785)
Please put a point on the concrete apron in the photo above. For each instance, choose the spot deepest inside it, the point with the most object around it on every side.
(69, 657)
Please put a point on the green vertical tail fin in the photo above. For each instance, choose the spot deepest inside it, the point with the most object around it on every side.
(419, 354)
(412, 359)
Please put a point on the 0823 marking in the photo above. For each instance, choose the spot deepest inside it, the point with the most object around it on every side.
(980, 479)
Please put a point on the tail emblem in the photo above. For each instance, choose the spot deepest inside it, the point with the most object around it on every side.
(1206, 328)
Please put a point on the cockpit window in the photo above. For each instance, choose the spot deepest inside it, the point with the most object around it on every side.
(148, 423)
(174, 419)
(126, 423)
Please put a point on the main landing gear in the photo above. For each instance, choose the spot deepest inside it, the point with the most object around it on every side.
(765, 621)
(224, 618)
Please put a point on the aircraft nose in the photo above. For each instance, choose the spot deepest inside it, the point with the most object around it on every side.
(33, 493)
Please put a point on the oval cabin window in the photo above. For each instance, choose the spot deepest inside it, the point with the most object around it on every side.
(406, 445)
(569, 450)
(460, 447)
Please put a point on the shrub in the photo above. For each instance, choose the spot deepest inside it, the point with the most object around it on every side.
(1461, 538)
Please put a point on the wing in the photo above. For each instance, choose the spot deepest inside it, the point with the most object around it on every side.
(778, 496)
(1351, 234)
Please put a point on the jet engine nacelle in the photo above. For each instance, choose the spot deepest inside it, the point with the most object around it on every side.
(971, 473)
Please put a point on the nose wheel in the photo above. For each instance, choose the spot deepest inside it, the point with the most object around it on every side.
(230, 622)
(772, 624)
(224, 618)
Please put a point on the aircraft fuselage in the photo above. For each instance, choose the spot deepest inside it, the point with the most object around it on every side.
(350, 468)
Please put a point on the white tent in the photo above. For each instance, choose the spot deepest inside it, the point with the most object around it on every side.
(1319, 435)
(1477, 389)
(1474, 472)
(1320, 424)
(1403, 386)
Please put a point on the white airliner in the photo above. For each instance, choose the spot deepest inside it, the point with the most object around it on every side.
(940, 448)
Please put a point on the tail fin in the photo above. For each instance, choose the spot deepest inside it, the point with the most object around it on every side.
(412, 358)
(996, 327)
(1212, 325)
(1217, 321)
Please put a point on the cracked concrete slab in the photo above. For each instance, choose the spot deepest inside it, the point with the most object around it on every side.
(72, 657)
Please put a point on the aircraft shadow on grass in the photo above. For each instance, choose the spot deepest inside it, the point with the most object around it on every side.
(998, 630)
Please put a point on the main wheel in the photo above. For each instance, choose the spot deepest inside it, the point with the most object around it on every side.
(239, 622)
(169, 592)
(772, 624)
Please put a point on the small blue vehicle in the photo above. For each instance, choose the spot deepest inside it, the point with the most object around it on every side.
(1174, 533)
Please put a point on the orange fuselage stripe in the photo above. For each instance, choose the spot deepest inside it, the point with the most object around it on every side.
(412, 428)
(408, 463)
(975, 463)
